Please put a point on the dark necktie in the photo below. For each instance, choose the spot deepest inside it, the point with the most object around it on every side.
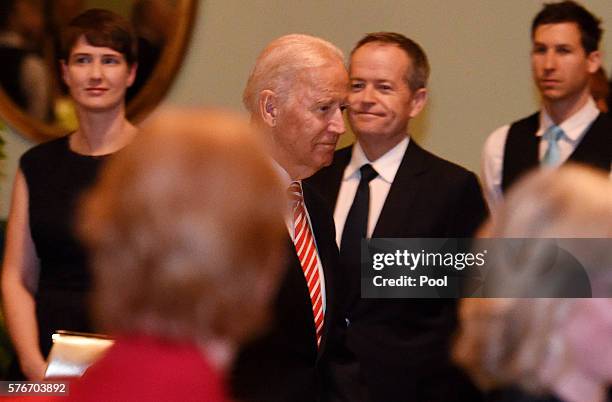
(356, 225)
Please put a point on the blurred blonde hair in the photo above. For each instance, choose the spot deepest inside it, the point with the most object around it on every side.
(572, 201)
(505, 342)
(184, 228)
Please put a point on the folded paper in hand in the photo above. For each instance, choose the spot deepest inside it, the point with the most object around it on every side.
(73, 352)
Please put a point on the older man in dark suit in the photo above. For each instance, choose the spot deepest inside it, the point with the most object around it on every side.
(386, 185)
(295, 94)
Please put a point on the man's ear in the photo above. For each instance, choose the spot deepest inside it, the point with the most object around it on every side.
(594, 61)
(268, 107)
(419, 99)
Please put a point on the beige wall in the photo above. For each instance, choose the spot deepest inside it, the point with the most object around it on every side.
(478, 49)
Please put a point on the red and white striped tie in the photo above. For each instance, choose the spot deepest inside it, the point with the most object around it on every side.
(307, 253)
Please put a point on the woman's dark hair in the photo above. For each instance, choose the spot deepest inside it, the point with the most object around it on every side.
(101, 28)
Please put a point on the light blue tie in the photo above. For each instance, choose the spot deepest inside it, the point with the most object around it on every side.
(552, 157)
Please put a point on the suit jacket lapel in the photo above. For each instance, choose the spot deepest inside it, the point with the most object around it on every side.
(295, 289)
(328, 180)
(328, 254)
(402, 192)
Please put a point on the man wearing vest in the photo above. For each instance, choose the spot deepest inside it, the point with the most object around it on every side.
(569, 127)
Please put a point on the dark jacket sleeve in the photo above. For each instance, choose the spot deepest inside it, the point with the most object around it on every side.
(470, 208)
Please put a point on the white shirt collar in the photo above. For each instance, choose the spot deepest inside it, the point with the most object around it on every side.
(386, 166)
(286, 182)
(282, 174)
(574, 126)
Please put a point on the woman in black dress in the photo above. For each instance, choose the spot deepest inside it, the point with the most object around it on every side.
(45, 280)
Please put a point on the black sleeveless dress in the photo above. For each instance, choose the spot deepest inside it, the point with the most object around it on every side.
(56, 178)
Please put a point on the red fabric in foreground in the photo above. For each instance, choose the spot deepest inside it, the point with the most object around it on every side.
(147, 369)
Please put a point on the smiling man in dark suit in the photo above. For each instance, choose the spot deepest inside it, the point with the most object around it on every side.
(295, 95)
(386, 185)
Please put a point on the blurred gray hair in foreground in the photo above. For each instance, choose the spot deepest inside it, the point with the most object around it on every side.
(571, 206)
(185, 228)
(512, 341)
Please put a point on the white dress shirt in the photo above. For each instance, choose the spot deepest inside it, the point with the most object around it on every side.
(493, 151)
(386, 166)
(286, 181)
